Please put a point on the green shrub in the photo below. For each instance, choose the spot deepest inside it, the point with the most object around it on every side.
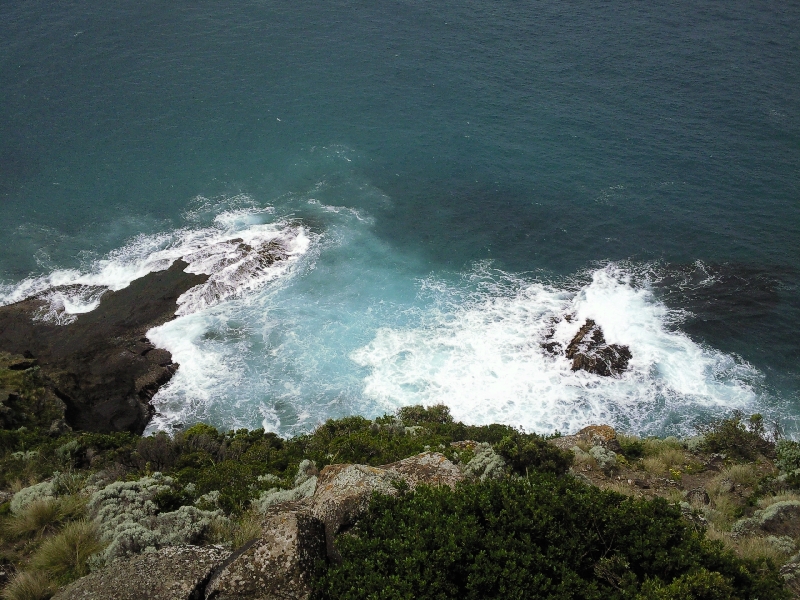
(531, 452)
(736, 438)
(788, 455)
(632, 447)
(538, 537)
(419, 415)
(699, 585)
(65, 555)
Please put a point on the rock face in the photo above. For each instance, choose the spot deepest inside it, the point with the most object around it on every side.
(781, 518)
(296, 534)
(174, 573)
(589, 351)
(279, 564)
(101, 365)
(594, 435)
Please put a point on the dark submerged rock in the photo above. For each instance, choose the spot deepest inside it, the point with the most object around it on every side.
(589, 351)
(101, 365)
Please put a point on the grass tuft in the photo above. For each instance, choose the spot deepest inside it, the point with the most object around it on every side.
(236, 533)
(782, 497)
(43, 516)
(65, 555)
(740, 475)
(29, 586)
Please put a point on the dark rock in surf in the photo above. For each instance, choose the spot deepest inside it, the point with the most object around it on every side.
(101, 365)
(589, 351)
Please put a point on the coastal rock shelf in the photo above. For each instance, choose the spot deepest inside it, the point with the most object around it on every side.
(101, 365)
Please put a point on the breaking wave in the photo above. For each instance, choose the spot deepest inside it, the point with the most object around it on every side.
(239, 252)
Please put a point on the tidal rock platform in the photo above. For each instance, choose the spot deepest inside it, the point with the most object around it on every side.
(101, 365)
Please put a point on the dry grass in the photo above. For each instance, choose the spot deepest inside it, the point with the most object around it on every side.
(65, 555)
(662, 457)
(782, 497)
(744, 475)
(41, 516)
(29, 586)
(751, 547)
(236, 533)
(584, 459)
(757, 548)
(674, 496)
(723, 509)
(656, 446)
(621, 488)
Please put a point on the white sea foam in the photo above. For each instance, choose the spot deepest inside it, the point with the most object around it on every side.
(240, 253)
(481, 355)
(341, 324)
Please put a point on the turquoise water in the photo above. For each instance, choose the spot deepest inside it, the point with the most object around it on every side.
(448, 178)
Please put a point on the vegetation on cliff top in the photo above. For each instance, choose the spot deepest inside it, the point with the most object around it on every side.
(541, 532)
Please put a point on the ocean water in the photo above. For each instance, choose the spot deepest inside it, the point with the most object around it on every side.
(446, 183)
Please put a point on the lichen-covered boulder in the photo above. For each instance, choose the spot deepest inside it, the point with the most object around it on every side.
(342, 495)
(278, 564)
(343, 491)
(779, 519)
(174, 573)
(432, 468)
(593, 435)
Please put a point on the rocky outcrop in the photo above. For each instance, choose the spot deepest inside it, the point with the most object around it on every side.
(296, 534)
(277, 565)
(589, 351)
(25, 398)
(779, 519)
(593, 435)
(174, 573)
(101, 365)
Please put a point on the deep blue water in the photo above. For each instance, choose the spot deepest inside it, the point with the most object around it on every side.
(460, 172)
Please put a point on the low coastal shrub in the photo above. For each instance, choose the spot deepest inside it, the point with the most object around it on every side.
(541, 536)
(787, 455)
(737, 437)
(130, 521)
(530, 452)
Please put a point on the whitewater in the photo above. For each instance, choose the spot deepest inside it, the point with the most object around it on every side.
(341, 323)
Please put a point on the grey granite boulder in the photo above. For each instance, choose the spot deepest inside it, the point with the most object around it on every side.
(173, 573)
(279, 563)
(296, 534)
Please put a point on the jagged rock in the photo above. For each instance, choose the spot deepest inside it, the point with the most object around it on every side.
(594, 435)
(343, 491)
(174, 573)
(697, 497)
(589, 351)
(279, 564)
(431, 468)
(342, 495)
